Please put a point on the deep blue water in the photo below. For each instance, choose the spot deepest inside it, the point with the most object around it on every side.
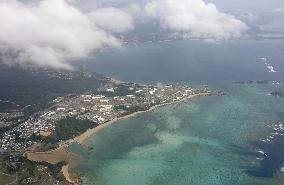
(192, 61)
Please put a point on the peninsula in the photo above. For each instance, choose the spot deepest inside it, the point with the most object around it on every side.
(43, 137)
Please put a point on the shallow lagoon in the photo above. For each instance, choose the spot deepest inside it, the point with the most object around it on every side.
(210, 140)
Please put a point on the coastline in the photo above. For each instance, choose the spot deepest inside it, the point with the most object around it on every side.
(90, 132)
(84, 136)
(49, 156)
(66, 174)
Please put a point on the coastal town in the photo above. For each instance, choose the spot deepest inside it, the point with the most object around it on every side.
(111, 101)
(34, 134)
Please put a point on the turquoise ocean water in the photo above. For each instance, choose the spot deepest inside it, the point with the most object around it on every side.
(230, 140)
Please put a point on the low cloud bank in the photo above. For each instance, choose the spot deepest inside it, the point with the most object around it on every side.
(112, 19)
(53, 33)
(196, 18)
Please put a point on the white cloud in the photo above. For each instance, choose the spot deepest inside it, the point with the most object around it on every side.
(49, 33)
(195, 17)
(112, 19)
(135, 10)
(53, 33)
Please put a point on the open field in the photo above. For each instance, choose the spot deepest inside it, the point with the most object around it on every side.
(53, 157)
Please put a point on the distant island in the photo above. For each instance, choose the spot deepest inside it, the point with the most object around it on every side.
(277, 94)
(260, 82)
(251, 82)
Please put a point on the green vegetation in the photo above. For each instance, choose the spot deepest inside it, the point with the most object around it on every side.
(65, 129)
(5, 179)
(39, 172)
(30, 172)
(121, 90)
(55, 169)
(26, 87)
(129, 109)
(69, 128)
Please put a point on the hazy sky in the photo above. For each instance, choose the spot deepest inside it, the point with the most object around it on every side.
(53, 33)
(244, 5)
(248, 5)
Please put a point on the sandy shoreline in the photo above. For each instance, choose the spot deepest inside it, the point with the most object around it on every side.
(54, 157)
(90, 132)
(81, 138)
(65, 171)
(62, 154)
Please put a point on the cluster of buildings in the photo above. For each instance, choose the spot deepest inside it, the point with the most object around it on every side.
(100, 108)
(9, 118)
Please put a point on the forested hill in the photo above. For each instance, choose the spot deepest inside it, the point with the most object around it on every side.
(38, 86)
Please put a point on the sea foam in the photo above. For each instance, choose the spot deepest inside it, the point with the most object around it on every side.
(268, 64)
